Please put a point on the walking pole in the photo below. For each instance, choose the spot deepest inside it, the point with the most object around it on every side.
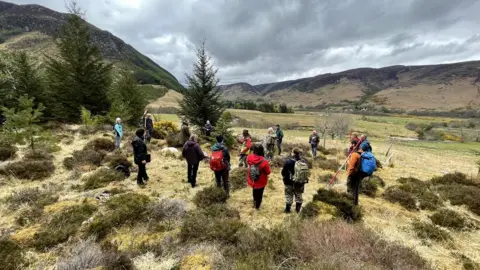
(339, 169)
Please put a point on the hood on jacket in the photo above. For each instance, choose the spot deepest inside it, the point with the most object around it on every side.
(218, 146)
(190, 143)
(254, 159)
(137, 139)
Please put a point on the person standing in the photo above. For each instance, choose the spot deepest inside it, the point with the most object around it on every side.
(295, 175)
(258, 171)
(246, 142)
(314, 141)
(118, 128)
(140, 156)
(279, 134)
(193, 154)
(355, 173)
(269, 143)
(148, 127)
(185, 131)
(220, 164)
(208, 128)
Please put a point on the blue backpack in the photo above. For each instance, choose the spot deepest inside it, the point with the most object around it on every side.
(368, 163)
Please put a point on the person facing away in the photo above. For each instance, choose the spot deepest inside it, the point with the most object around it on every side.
(148, 127)
(246, 142)
(208, 128)
(140, 156)
(355, 176)
(193, 154)
(220, 164)
(118, 130)
(365, 144)
(257, 174)
(269, 143)
(295, 176)
(279, 134)
(185, 131)
(314, 140)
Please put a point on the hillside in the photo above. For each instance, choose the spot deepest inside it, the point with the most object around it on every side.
(443, 87)
(33, 28)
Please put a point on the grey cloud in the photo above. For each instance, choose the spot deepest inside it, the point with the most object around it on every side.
(263, 41)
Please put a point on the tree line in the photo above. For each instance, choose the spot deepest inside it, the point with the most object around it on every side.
(267, 107)
(76, 77)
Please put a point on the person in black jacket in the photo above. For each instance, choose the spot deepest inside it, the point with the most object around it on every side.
(223, 175)
(140, 156)
(193, 154)
(148, 126)
(292, 189)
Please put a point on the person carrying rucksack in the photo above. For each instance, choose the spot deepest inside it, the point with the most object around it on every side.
(365, 143)
(257, 174)
(193, 154)
(279, 134)
(362, 163)
(295, 175)
(140, 156)
(220, 164)
(269, 142)
(246, 142)
(314, 140)
(148, 126)
(118, 131)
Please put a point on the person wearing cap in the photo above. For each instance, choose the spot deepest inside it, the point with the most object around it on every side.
(355, 176)
(118, 130)
(246, 142)
(222, 177)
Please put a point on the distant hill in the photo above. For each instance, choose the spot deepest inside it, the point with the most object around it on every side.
(33, 28)
(443, 87)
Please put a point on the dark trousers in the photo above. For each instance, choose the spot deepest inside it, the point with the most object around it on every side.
(257, 197)
(314, 150)
(222, 177)
(142, 173)
(279, 146)
(353, 185)
(208, 132)
(192, 173)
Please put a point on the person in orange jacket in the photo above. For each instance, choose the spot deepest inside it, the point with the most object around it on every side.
(246, 142)
(257, 174)
(354, 175)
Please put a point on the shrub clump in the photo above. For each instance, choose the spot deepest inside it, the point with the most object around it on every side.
(83, 158)
(100, 144)
(38, 155)
(126, 208)
(343, 202)
(368, 188)
(30, 197)
(116, 159)
(310, 210)
(277, 162)
(396, 195)
(12, 254)
(174, 140)
(238, 178)
(329, 164)
(209, 196)
(419, 190)
(7, 151)
(62, 225)
(449, 219)
(165, 209)
(325, 178)
(456, 178)
(101, 178)
(429, 231)
(29, 169)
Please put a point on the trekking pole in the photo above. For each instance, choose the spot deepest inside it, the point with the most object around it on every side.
(339, 169)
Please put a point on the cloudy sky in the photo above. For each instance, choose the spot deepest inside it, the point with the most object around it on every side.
(258, 41)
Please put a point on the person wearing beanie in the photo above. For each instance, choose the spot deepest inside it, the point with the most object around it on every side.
(222, 171)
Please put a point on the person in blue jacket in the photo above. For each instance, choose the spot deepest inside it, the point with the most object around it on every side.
(118, 130)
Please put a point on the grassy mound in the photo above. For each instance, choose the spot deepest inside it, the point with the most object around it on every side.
(29, 169)
(328, 164)
(34, 199)
(7, 151)
(100, 144)
(449, 219)
(209, 196)
(101, 178)
(429, 231)
(83, 158)
(117, 159)
(396, 195)
(370, 185)
(343, 202)
(413, 194)
(238, 178)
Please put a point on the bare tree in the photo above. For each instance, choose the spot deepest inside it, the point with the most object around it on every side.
(340, 125)
(323, 125)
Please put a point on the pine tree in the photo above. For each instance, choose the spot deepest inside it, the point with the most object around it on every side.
(79, 77)
(201, 99)
(127, 99)
(21, 121)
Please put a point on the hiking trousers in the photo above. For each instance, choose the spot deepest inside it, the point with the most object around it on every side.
(294, 191)
(279, 146)
(257, 197)
(314, 150)
(118, 139)
(353, 185)
(142, 173)
(222, 177)
(243, 161)
(192, 170)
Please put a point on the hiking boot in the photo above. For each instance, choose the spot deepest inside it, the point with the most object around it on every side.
(298, 207)
(288, 208)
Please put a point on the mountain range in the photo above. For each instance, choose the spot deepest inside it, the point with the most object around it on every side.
(445, 87)
(33, 28)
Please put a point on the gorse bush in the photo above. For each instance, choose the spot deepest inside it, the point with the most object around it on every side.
(12, 254)
(343, 202)
(166, 126)
(62, 225)
(238, 178)
(209, 196)
(101, 178)
(449, 219)
(125, 208)
(431, 232)
(100, 144)
(29, 169)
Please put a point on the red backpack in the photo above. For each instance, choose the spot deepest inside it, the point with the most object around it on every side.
(217, 162)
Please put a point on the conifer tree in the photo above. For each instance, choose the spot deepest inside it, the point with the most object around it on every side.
(127, 99)
(202, 99)
(79, 77)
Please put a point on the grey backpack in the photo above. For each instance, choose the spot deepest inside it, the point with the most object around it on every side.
(255, 171)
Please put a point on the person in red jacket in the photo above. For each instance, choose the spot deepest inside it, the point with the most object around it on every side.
(258, 171)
